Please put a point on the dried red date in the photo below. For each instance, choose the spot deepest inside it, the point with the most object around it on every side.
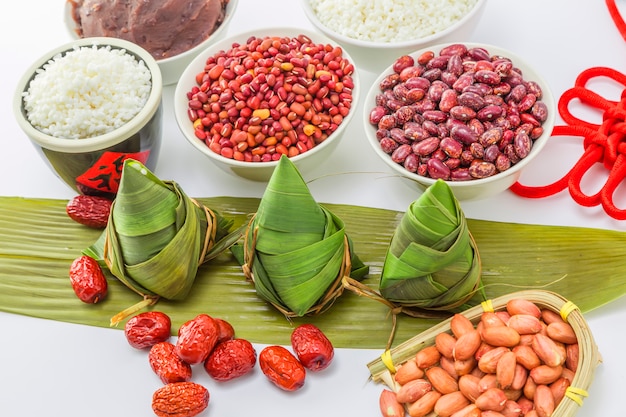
(88, 280)
(282, 368)
(196, 339)
(180, 399)
(92, 211)
(167, 365)
(147, 329)
(230, 359)
(314, 350)
(225, 330)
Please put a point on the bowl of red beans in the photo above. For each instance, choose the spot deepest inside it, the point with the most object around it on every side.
(253, 97)
(473, 115)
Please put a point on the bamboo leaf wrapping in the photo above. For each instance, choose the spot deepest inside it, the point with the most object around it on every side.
(295, 248)
(155, 237)
(432, 262)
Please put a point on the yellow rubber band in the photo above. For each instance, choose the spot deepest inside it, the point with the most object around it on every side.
(386, 358)
(567, 308)
(487, 306)
(574, 394)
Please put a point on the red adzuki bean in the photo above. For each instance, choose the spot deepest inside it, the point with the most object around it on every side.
(304, 90)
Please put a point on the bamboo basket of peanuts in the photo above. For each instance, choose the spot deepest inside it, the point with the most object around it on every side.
(528, 353)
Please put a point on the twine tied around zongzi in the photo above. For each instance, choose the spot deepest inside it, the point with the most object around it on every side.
(330, 296)
(151, 299)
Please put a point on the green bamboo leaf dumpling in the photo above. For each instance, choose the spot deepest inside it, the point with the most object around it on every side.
(432, 262)
(157, 236)
(296, 251)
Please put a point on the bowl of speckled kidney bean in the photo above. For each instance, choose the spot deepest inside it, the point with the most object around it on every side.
(253, 97)
(473, 115)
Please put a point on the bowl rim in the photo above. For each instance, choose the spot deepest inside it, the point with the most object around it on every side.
(187, 79)
(310, 14)
(97, 142)
(231, 7)
(529, 74)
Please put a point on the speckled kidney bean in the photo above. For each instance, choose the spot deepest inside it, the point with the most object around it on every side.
(426, 147)
(459, 114)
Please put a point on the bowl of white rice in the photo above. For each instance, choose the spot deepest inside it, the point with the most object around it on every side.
(87, 106)
(377, 32)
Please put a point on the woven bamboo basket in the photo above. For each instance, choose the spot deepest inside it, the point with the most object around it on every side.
(382, 368)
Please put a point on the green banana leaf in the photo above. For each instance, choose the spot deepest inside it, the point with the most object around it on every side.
(38, 242)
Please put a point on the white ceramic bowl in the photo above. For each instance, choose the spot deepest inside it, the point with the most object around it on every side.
(476, 188)
(171, 68)
(375, 56)
(93, 165)
(257, 171)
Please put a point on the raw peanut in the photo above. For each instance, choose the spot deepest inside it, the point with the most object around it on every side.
(448, 366)
(92, 211)
(531, 413)
(482, 349)
(547, 350)
(488, 381)
(561, 332)
(468, 411)
(424, 405)
(544, 374)
(522, 306)
(511, 409)
(500, 336)
(389, 405)
(529, 388)
(230, 359)
(225, 330)
(409, 371)
(466, 345)
(180, 399)
(544, 401)
(549, 316)
(491, 319)
(519, 379)
(513, 394)
(449, 404)
(312, 347)
(441, 380)
(428, 356)
(88, 280)
(504, 316)
(525, 324)
(526, 356)
(459, 325)
(525, 405)
(558, 388)
(413, 390)
(147, 329)
(492, 399)
(445, 345)
(465, 367)
(569, 374)
(491, 413)
(196, 339)
(167, 365)
(469, 386)
(282, 368)
(526, 339)
(571, 356)
(489, 361)
(505, 370)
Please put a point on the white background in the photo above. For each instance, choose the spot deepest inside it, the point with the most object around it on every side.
(56, 369)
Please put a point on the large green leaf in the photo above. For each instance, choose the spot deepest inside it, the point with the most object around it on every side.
(38, 243)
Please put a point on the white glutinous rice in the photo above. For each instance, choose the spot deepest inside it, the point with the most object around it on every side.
(87, 92)
(389, 21)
